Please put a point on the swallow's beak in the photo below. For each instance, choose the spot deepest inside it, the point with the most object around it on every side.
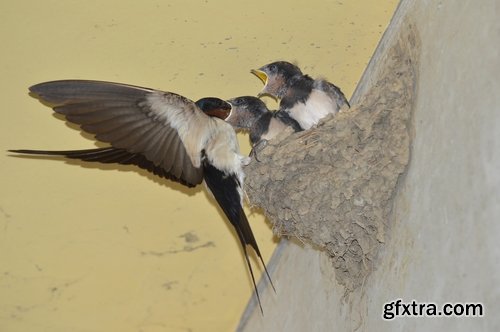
(260, 74)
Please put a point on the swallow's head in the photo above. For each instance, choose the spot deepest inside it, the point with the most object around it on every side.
(214, 107)
(245, 111)
(276, 77)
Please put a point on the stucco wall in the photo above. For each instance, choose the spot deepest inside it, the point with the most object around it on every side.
(111, 248)
(443, 243)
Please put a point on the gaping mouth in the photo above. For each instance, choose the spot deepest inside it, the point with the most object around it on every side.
(261, 75)
(230, 112)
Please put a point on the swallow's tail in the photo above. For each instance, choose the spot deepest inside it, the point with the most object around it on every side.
(109, 155)
(225, 190)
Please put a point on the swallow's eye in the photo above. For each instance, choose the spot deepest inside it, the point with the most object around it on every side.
(272, 68)
(238, 101)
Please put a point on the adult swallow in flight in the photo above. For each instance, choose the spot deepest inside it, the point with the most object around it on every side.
(162, 132)
(251, 114)
(305, 99)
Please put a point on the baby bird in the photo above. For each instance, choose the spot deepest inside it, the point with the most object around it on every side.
(250, 113)
(303, 98)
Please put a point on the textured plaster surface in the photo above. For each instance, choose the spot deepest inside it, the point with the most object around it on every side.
(442, 234)
(104, 248)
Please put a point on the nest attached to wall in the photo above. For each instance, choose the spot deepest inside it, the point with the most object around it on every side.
(332, 186)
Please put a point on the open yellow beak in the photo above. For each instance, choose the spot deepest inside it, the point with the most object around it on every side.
(260, 74)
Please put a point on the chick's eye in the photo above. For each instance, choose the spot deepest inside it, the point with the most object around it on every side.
(272, 68)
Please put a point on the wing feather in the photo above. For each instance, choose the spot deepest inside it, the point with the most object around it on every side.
(334, 92)
(169, 148)
(154, 151)
(135, 137)
(151, 126)
(146, 139)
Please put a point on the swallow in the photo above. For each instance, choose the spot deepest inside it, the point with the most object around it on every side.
(251, 114)
(162, 132)
(305, 99)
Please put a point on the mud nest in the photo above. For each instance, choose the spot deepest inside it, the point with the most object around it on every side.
(332, 186)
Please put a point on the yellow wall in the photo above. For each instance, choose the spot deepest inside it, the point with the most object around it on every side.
(95, 249)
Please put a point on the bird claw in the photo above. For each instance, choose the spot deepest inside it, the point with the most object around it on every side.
(257, 148)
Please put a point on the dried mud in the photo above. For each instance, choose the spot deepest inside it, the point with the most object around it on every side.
(332, 186)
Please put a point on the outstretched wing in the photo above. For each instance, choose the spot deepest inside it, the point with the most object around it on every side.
(151, 126)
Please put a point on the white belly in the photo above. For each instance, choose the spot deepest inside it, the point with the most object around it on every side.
(316, 108)
(223, 151)
(275, 127)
